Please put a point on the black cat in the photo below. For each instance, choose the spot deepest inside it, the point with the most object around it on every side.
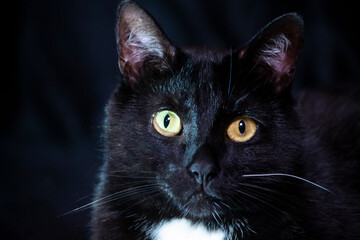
(209, 144)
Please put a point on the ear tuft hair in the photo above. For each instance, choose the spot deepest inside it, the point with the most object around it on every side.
(276, 48)
(274, 52)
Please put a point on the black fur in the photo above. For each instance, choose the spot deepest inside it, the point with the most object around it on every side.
(146, 179)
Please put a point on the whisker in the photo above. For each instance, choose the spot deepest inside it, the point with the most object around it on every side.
(125, 198)
(135, 190)
(266, 189)
(117, 198)
(287, 175)
(186, 211)
(218, 216)
(258, 198)
(239, 204)
(276, 196)
(124, 176)
(216, 207)
(252, 70)
(225, 205)
(243, 81)
(109, 198)
(240, 227)
(129, 171)
(142, 200)
(87, 196)
(132, 184)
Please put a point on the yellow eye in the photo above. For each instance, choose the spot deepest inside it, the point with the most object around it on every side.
(167, 123)
(242, 129)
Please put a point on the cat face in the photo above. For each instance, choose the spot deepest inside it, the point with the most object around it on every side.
(185, 127)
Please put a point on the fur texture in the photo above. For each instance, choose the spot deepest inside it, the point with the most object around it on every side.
(253, 189)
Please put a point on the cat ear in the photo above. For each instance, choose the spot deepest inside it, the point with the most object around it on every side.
(142, 46)
(275, 49)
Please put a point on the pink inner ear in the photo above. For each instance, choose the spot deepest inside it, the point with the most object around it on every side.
(132, 49)
(282, 64)
(138, 39)
(140, 42)
(276, 54)
(130, 63)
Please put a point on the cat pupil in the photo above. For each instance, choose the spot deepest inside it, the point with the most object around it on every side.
(242, 126)
(166, 120)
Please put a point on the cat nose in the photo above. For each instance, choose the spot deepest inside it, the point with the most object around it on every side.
(202, 172)
(203, 167)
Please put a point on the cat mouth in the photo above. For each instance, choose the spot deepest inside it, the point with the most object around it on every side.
(200, 205)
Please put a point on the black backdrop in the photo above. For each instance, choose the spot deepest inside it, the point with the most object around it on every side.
(62, 67)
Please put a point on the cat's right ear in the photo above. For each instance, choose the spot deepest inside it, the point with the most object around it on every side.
(141, 44)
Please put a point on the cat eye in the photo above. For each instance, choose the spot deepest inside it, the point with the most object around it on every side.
(167, 123)
(242, 129)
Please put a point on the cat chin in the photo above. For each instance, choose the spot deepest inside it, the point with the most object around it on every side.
(199, 206)
(181, 228)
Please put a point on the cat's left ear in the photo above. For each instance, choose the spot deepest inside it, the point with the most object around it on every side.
(142, 45)
(274, 50)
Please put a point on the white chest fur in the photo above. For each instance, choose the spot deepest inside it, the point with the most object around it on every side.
(182, 229)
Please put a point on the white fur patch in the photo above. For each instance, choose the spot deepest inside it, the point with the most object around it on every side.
(182, 229)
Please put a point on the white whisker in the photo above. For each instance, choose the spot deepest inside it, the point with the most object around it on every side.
(287, 175)
(112, 197)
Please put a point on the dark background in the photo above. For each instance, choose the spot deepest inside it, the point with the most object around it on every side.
(62, 66)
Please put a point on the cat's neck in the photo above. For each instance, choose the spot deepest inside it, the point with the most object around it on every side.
(182, 229)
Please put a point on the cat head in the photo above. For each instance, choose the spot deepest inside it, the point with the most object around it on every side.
(185, 126)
